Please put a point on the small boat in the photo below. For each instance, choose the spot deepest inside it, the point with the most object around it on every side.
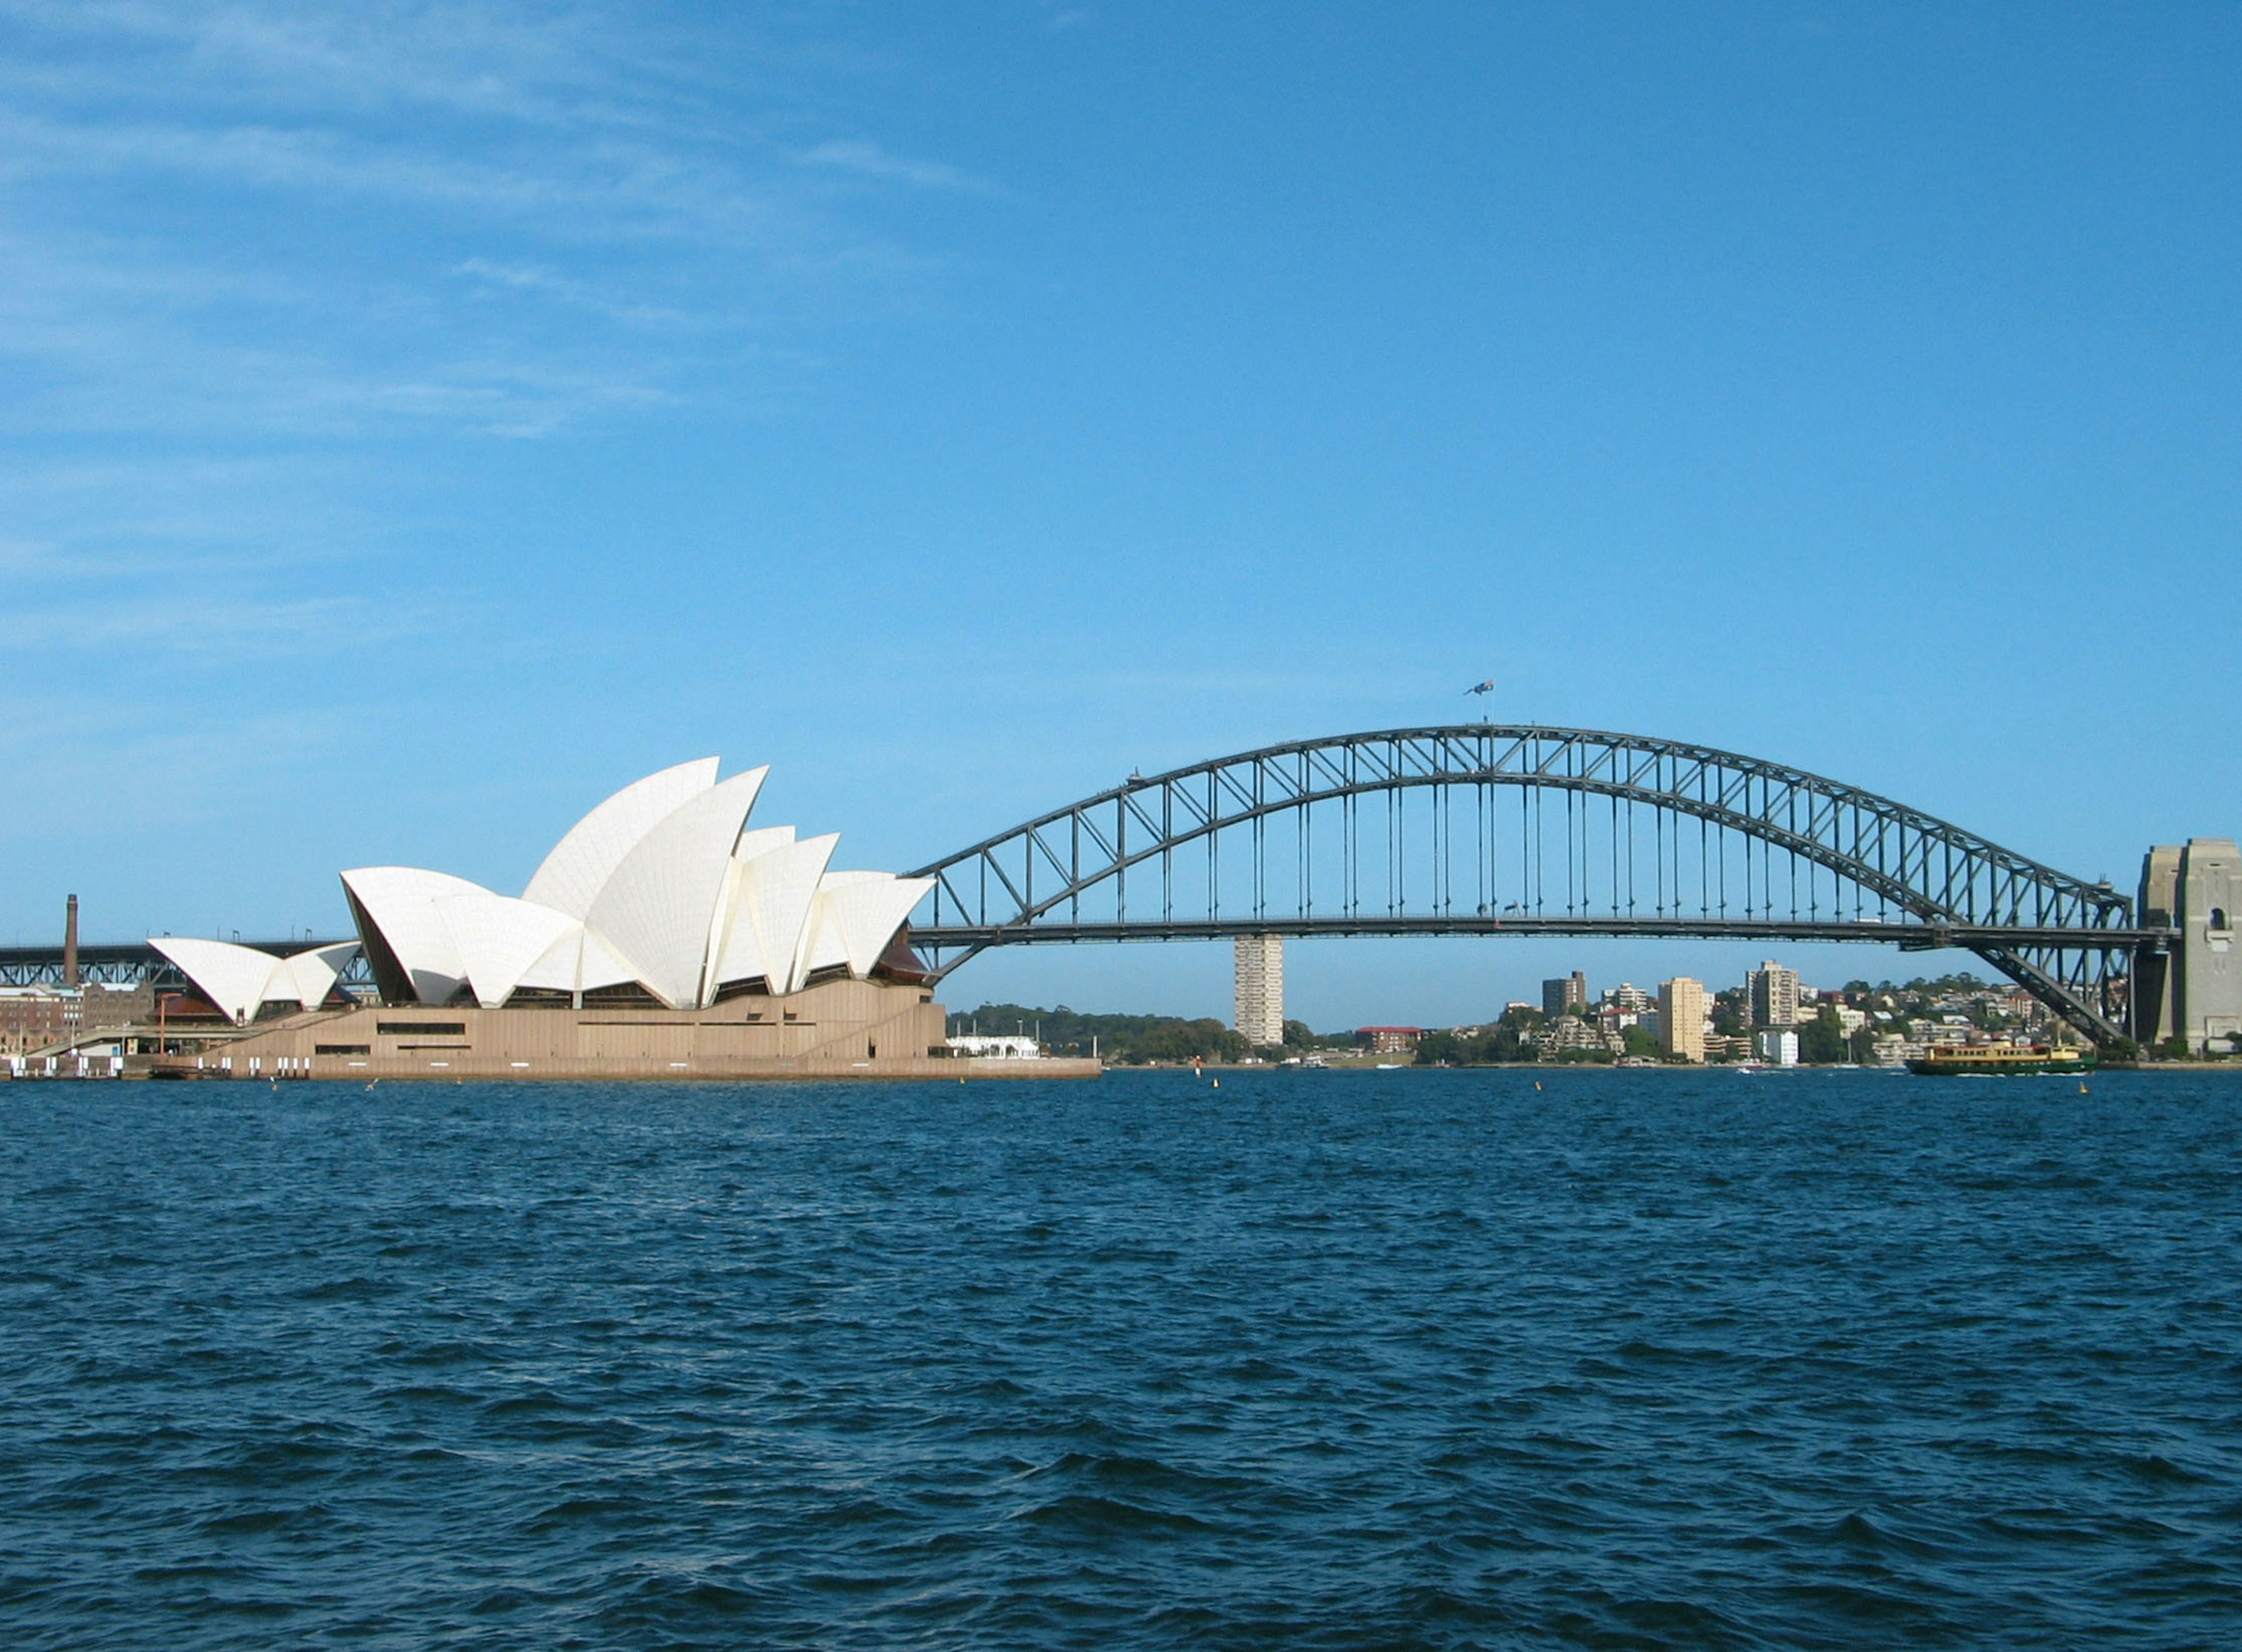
(2000, 1060)
(175, 1068)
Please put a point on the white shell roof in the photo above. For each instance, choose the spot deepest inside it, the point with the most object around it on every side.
(401, 902)
(498, 940)
(771, 921)
(577, 963)
(856, 914)
(662, 884)
(663, 905)
(571, 878)
(828, 944)
(309, 977)
(737, 955)
(240, 980)
(232, 977)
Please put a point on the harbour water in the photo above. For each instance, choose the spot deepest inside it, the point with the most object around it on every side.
(1331, 1360)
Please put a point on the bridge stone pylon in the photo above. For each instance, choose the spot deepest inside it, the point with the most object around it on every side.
(2190, 987)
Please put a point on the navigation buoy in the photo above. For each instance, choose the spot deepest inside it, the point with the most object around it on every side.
(1217, 1084)
(1537, 1084)
(2082, 1086)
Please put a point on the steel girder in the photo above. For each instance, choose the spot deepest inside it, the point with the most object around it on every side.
(2061, 937)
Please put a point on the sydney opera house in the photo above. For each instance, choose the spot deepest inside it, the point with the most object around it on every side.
(662, 936)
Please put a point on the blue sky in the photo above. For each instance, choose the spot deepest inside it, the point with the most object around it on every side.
(416, 420)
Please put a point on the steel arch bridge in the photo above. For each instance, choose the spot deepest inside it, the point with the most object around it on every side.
(1490, 828)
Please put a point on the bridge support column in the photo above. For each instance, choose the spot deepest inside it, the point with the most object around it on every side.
(2192, 992)
(1258, 989)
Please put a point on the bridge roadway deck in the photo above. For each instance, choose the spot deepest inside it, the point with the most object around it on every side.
(129, 961)
(1909, 937)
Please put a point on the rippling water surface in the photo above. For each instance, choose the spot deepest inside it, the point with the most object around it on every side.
(1633, 1359)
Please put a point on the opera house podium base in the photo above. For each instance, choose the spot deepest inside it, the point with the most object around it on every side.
(842, 1029)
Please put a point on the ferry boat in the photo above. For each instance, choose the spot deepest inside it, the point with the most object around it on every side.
(2000, 1060)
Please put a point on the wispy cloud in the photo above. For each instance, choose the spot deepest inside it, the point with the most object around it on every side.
(868, 160)
(562, 289)
(283, 288)
(300, 182)
(525, 61)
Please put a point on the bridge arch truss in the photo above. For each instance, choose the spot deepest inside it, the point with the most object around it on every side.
(1512, 829)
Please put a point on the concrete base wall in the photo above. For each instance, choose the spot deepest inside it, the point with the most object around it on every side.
(838, 1030)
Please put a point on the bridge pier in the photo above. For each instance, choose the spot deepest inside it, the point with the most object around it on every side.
(2189, 988)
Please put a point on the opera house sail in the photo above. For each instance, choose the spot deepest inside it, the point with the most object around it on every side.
(661, 895)
(662, 935)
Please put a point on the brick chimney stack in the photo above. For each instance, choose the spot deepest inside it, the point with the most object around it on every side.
(70, 943)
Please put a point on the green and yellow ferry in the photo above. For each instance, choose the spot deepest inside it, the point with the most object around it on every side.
(2000, 1060)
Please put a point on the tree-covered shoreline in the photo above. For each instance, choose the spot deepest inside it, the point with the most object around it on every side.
(1132, 1040)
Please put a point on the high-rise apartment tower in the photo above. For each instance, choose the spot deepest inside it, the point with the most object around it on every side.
(1566, 992)
(1774, 995)
(1259, 994)
(1681, 1019)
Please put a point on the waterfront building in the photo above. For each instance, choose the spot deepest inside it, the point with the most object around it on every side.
(662, 897)
(1893, 1050)
(1612, 1018)
(1564, 995)
(1568, 1032)
(662, 935)
(995, 1047)
(1681, 1017)
(1388, 1040)
(1774, 996)
(33, 1018)
(1777, 1046)
(1259, 988)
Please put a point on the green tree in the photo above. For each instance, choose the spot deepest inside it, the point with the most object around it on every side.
(1130, 1039)
(1822, 1041)
(1435, 1049)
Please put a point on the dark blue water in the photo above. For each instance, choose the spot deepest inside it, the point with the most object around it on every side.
(1639, 1360)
